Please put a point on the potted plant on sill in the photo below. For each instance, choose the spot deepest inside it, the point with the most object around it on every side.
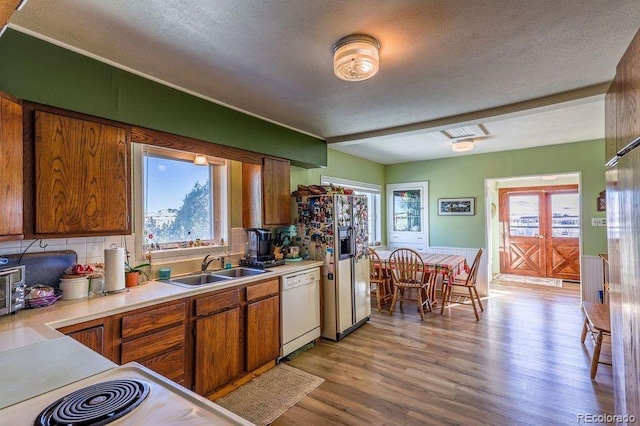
(132, 274)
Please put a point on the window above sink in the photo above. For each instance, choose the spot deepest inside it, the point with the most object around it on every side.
(181, 208)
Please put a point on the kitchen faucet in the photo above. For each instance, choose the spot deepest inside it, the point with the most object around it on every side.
(206, 262)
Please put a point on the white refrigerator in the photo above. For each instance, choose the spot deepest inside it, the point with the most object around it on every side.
(334, 228)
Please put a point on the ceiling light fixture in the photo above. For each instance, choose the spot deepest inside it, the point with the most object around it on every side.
(462, 146)
(355, 57)
(200, 160)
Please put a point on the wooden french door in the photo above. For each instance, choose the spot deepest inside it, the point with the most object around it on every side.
(540, 231)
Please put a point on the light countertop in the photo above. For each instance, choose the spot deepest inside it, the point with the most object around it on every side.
(44, 321)
(30, 332)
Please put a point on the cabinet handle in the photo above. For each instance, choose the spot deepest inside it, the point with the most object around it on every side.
(419, 238)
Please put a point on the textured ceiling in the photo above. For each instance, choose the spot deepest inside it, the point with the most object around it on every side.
(273, 58)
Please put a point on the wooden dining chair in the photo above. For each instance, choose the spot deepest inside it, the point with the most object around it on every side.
(407, 273)
(379, 280)
(467, 281)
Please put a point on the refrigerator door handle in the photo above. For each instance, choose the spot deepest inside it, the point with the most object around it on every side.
(352, 238)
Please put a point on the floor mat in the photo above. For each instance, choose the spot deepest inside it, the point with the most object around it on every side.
(268, 396)
(553, 282)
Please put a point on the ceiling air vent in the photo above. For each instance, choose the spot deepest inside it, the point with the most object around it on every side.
(466, 132)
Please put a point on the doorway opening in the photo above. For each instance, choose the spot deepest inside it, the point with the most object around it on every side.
(533, 227)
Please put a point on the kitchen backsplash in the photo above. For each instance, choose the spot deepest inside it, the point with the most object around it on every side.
(91, 249)
(239, 239)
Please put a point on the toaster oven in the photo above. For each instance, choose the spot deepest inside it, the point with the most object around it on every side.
(12, 289)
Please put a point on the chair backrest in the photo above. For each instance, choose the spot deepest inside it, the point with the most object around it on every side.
(473, 273)
(375, 265)
(407, 267)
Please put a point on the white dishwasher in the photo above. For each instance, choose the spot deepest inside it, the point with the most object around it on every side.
(299, 309)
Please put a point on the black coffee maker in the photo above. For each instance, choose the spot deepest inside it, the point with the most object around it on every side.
(260, 244)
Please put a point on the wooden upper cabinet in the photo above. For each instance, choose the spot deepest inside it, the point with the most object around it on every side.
(628, 98)
(82, 177)
(265, 193)
(610, 121)
(251, 195)
(11, 175)
(7, 7)
(276, 197)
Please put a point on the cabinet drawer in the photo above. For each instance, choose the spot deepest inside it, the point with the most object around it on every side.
(265, 289)
(144, 322)
(217, 302)
(153, 345)
(170, 365)
(407, 237)
(413, 246)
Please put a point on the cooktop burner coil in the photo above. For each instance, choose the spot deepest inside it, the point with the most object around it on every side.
(98, 404)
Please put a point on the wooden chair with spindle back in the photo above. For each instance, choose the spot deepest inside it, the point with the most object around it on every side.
(469, 283)
(379, 280)
(407, 273)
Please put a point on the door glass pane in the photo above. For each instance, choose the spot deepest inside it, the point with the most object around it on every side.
(406, 211)
(524, 217)
(565, 216)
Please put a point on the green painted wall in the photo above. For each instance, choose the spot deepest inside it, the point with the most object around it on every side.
(464, 177)
(38, 71)
(343, 166)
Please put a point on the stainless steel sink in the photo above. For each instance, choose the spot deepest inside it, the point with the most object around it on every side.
(238, 272)
(205, 278)
(197, 280)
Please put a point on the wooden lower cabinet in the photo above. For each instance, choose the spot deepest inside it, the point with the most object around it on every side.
(237, 336)
(263, 323)
(92, 337)
(211, 343)
(263, 332)
(156, 338)
(94, 334)
(217, 351)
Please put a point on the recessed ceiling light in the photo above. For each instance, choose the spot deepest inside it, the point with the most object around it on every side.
(462, 146)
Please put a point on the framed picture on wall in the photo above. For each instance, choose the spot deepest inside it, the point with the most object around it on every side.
(457, 206)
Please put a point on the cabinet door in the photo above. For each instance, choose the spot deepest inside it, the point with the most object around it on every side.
(251, 195)
(407, 213)
(610, 121)
(81, 177)
(11, 175)
(263, 332)
(265, 193)
(217, 358)
(93, 338)
(275, 192)
(628, 100)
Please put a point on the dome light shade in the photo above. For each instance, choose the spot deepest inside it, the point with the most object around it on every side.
(355, 57)
(462, 146)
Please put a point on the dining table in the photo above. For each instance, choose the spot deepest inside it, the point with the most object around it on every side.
(447, 265)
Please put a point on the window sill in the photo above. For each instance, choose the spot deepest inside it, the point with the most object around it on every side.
(188, 251)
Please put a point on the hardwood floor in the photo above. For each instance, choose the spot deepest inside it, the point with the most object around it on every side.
(522, 363)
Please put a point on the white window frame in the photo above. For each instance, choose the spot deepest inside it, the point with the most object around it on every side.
(370, 188)
(221, 203)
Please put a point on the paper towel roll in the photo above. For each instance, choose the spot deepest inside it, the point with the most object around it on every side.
(114, 269)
